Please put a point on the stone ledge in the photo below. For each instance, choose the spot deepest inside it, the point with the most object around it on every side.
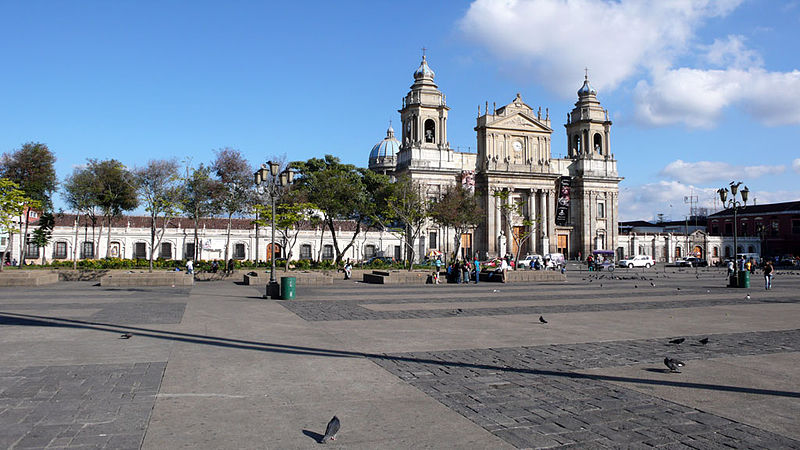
(147, 279)
(396, 277)
(27, 278)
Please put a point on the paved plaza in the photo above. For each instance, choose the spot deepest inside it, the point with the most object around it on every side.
(433, 366)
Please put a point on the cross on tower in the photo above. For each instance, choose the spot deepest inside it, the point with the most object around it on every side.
(586, 70)
(423, 52)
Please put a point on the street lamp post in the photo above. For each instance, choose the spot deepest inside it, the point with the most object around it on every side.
(734, 204)
(269, 183)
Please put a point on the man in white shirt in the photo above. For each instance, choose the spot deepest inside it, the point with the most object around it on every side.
(504, 269)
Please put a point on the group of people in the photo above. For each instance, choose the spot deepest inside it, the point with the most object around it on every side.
(461, 271)
(750, 265)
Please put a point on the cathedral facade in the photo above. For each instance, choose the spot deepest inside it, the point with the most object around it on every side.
(567, 205)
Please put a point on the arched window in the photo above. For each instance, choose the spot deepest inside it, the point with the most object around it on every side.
(87, 250)
(576, 143)
(60, 250)
(140, 250)
(598, 143)
(430, 131)
(751, 249)
(305, 251)
(327, 252)
(369, 251)
(716, 252)
(727, 251)
(677, 252)
(166, 250)
(239, 251)
(739, 249)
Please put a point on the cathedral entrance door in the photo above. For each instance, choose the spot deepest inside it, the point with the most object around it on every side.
(519, 231)
(563, 244)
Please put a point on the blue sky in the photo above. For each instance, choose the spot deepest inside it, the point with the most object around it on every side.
(701, 92)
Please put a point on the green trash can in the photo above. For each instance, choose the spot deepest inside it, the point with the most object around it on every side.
(744, 279)
(288, 285)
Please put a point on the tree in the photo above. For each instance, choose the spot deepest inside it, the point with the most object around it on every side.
(44, 232)
(160, 192)
(115, 190)
(407, 206)
(235, 177)
(80, 193)
(458, 209)
(511, 213)
(198, 199)
(290, 213)
(13, 203)
(342, 192)
(31, 167)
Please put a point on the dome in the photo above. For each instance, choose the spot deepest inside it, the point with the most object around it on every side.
(424, 71)
(389, 146)
(586, 89)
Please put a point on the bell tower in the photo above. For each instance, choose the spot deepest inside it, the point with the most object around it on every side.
(588, 126)
(424, 119)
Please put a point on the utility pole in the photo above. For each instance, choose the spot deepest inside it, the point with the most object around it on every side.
(691, 200)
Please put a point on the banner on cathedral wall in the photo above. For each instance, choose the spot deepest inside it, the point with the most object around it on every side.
(562, 206)
(468, 180)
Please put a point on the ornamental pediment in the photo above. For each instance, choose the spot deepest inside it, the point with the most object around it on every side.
(520, 122)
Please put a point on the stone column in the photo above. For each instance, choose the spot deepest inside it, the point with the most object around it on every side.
(532, 218)
(551, 220)
(545, 213)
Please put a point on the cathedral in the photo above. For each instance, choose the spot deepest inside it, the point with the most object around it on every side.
(568, 205)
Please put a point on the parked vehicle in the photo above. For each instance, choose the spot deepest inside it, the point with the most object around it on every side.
(603, 259)
(691, 261)
(637, 261)
(555, 260)
(527, 262)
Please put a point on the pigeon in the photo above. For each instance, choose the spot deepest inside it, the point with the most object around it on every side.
(126, 336)
(678, 289)
(703, 341)
(652, 284)
(636, 286)
(748, 297)
(459, 310)
(677, 341)
(541, 319)
(673, 364)
(332, 429)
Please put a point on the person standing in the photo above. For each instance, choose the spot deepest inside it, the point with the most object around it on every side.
(730, 268)
(504, 269)
(768, 270)
(348, 269)
(189, 267)
(457, 271)
(477, 265)
(465, 270)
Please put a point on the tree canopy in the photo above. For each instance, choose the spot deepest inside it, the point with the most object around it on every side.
(457, 208)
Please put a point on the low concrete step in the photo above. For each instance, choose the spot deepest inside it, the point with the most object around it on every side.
(27, 278)
(147, 279)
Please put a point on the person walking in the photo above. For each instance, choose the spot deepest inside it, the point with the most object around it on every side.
(189, 267)
(768, 270)
(348, 269)
(730, 268)
(477, 267)
(437, 267)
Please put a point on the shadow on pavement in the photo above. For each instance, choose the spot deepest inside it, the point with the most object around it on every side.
(7, 319)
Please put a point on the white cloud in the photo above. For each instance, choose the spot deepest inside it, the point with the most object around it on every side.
(731, 52)
(556, 39)
(796, 165)
(687, 172)
(696, 97)
(644, 202)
